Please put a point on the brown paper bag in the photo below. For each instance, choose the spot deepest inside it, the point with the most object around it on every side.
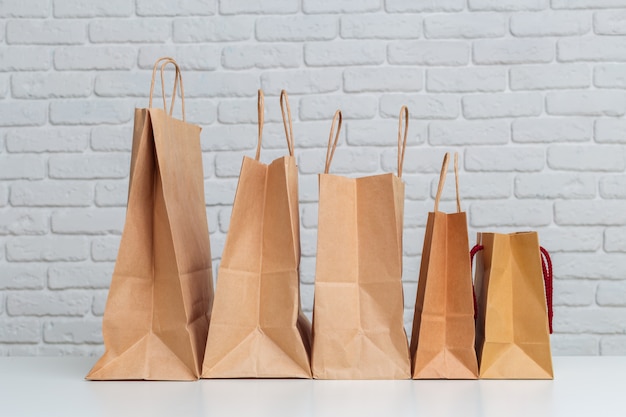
(258, 329)
(442, 342)
(358, 330)
(514, 324)
(157, 313)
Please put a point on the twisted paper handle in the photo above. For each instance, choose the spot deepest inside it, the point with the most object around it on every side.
(442, 180)
(260, 122)
(285, 110)
(335, 129)
(402, 135)
(178, 79)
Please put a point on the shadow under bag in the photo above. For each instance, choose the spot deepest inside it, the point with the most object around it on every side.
(442, 342)
(258, 329)
(358, 330)
(157, 313)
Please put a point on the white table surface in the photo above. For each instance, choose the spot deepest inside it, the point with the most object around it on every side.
(583, 386)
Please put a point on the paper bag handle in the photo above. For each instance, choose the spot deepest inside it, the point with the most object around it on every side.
(154, 70)
(404, 112)
(546, 267)
(177, 79)
(475, 249)
(287, 123)
(442, 180)
(335, 128)
(261, 121)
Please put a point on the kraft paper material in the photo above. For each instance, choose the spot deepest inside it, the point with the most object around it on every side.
(258, 329)
(157, 313)
(513, 337)
(358, 330)
(442, 341)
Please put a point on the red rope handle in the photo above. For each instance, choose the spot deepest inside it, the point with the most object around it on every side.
(546, 266)
(475, 249)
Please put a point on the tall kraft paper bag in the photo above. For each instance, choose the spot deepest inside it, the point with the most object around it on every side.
(514, 307)
(358, 330)
(258, 329)
(157, 313)
(442, 342)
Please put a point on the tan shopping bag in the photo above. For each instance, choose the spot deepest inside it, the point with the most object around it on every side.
(442, 342)
(258, 329)
(157, 312)
(358, 330)
(514, 306)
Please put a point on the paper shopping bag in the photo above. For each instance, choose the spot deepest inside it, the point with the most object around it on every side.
(258, 329)
(514, 307)
(358, 330)
(442, 341)
(157, 312)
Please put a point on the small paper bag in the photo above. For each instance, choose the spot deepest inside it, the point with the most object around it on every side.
(358, 330)
(514, 307)
(157, 312)
(442, 342)
(258, 329)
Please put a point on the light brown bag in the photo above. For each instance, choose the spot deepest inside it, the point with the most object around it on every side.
(514, 324)
(358, 330)
(258, 329)
(157, 312)
(442, 342)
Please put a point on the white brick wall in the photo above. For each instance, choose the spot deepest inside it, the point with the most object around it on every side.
(531, 92)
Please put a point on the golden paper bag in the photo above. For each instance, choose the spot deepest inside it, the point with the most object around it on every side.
(358, 330)
(157, 312)
(258, 329)
(442, 342)
(514, 323)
